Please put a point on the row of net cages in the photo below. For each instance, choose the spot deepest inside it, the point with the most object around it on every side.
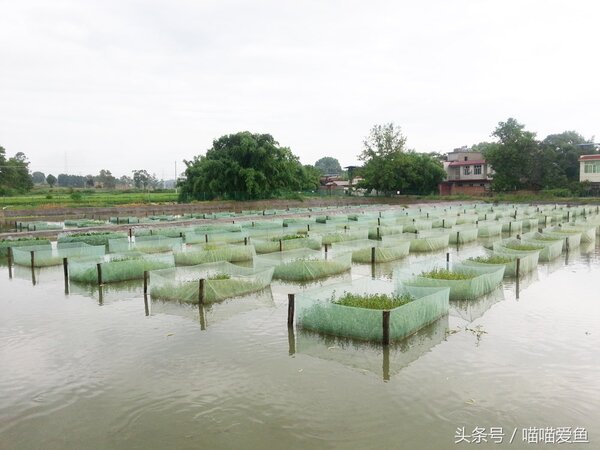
(46, 255)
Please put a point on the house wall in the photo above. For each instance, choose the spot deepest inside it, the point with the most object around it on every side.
(592, 177)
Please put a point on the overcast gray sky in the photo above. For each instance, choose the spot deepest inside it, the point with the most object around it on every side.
(124, 85)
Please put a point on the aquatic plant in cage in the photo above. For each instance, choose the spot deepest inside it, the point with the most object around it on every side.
(330, 237)
(146, 244)
(222, 280)
(461, 234)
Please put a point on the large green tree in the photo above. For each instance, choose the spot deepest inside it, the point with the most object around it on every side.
(244, 166)
(14, 173)
(567, 147)
(389, 167)
(512, 156)
(329, 165)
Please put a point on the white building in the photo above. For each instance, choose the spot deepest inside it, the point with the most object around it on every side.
(589, 168)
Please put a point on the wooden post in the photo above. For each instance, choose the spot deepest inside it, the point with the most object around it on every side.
(280, 245)
(567, 244)
(206, 238)
(385, 322)
(447, 261)
(443, 223)
(32, 259)
(130, 234)
(326, 249)
(9, 250)
(245, 240)
(379, 221)
(378, 234)
(509, 227)
(66, 274)
(145, 282)
(99, 270)
(201, 292)
(372, 255)
(291, 308)
(457, 238)
(518, 276)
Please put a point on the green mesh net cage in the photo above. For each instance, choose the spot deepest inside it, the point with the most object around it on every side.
(145, 244)
(465, 281)
(117, 267)
(264, 224)
(462, 219)
(552, 246)
(222, 280)
(377, 232)
(588, 233)
(489, 229)
(571, 239)
(5, 244)
(368, 251)
(124, 220)
(42, 256)
(84, 223)
(527, 262)
(348, 234)
(209, 253)
(304, 264)
(461, 234)
(317, 311)
(530, 223)
(527, 252)
(284, 242)
(228, 237)
(39, 226)
(443, 221)
(425, 241)
(512, 226)
(413, 224)
(91, 237)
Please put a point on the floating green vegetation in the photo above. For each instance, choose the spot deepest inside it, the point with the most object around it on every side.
(220, 276)
(372, 301)
(493, 259)
(443, 274)
(523, 247)
(288, 237)
(547, 238)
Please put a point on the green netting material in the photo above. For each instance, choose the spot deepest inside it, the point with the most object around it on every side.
(92, 237)
(412, 225)
(209, 253)
(529, 258)
(512, 226)
(572, 239)
(443, 221)
(528, 262)
(286, 242)
(45, 257)
(482, 279)
(222, 280)
(331, 237)
(118, 267)
(304, 264)
(384, 251)
(228, 237)
(488, 229)
(5, 244)
(425, 241)
(84, 223)
(588, 233)
(39, 226)
(552, 248)
(377, 232)
(462, 234)
(315, 310)
(146, 244)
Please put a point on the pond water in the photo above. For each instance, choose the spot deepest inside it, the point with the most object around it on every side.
(79, 373)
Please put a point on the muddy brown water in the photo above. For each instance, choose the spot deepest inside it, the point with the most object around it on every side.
(78, 373)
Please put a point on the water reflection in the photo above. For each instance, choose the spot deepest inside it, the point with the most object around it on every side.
(470, 310)
(385, 361)
(209, 314)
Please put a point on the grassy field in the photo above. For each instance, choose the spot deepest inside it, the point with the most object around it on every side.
(78, 198)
